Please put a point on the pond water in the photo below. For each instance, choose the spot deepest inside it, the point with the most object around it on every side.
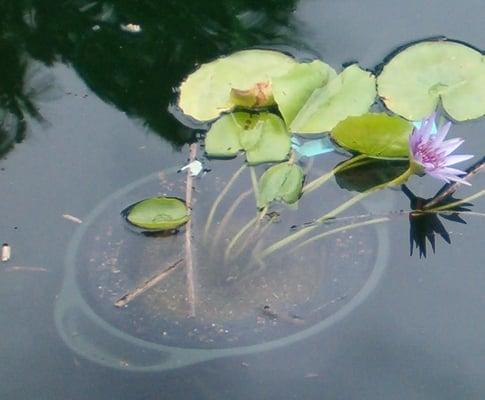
(87, 129)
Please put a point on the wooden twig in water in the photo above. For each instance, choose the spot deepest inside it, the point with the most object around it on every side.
(25, 269)
(72, 218)
(189, 263)
(148, 284)
(449, 190)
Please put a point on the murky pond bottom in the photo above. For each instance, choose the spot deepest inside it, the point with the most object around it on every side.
(241, 303)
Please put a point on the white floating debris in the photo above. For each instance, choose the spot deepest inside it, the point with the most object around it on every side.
(6, 252)
(72, 218)
(132, 28)
(195, 168)
(96, 28)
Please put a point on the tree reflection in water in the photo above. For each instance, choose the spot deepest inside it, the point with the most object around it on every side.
(135, 72)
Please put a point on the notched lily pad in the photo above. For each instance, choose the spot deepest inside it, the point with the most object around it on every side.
(414, 81)
(158, 214)
(351, 93)
(206, 93)
(375, 135)
(282, 182)
(262, 136)
(292, 90)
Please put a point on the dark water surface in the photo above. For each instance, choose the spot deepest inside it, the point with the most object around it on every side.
(84, 112)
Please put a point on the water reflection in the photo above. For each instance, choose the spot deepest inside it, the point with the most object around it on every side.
(423, 227)
(134, 71)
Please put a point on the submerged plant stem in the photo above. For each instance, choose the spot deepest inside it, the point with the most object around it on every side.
(228, 216)
(219, 198)
(458, 202)
(341, 229)
(238, 235)
(349, 203)
(316, 183)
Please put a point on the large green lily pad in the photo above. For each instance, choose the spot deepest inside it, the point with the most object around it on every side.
(206, 93)
(158, 213)
(282, 182)
(351, 93)
(292, 90)
(415, 80)
(375, 135)
(262, 136)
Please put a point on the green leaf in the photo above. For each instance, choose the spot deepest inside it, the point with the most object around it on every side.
(268, 141)
(263, 136)
(292, 90)
(222, 139)
(350, 93)
(158, 213)
(206, 93)
(415, 80)
(282, 182)
(375, 135)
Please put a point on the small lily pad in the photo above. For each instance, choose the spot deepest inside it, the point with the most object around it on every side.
(206, 93)
(282, 182)
(351, 93)
(414, 81)
(158, 213)
(292, 90)
(375, 135)
(262, 136)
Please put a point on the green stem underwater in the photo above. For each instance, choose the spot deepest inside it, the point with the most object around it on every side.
(349, 203)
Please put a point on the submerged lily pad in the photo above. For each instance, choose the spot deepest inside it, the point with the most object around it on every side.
(415, 80)
(206, 93)
(262, 136)
(375, 135)
(282, 182)
(292, 90)
(158, 213)
(351, 93)
(370, 173)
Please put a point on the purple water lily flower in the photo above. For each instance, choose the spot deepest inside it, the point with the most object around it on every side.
(430, 153)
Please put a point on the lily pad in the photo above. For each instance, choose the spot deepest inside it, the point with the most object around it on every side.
(158, 213)
(206, 93)
(351, 93)
(282, 182)
(262, 136)
(414, 81)
(222, 139)
(375, 135)
(292, 90)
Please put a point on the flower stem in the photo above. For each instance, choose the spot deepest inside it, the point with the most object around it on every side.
(458, 202)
